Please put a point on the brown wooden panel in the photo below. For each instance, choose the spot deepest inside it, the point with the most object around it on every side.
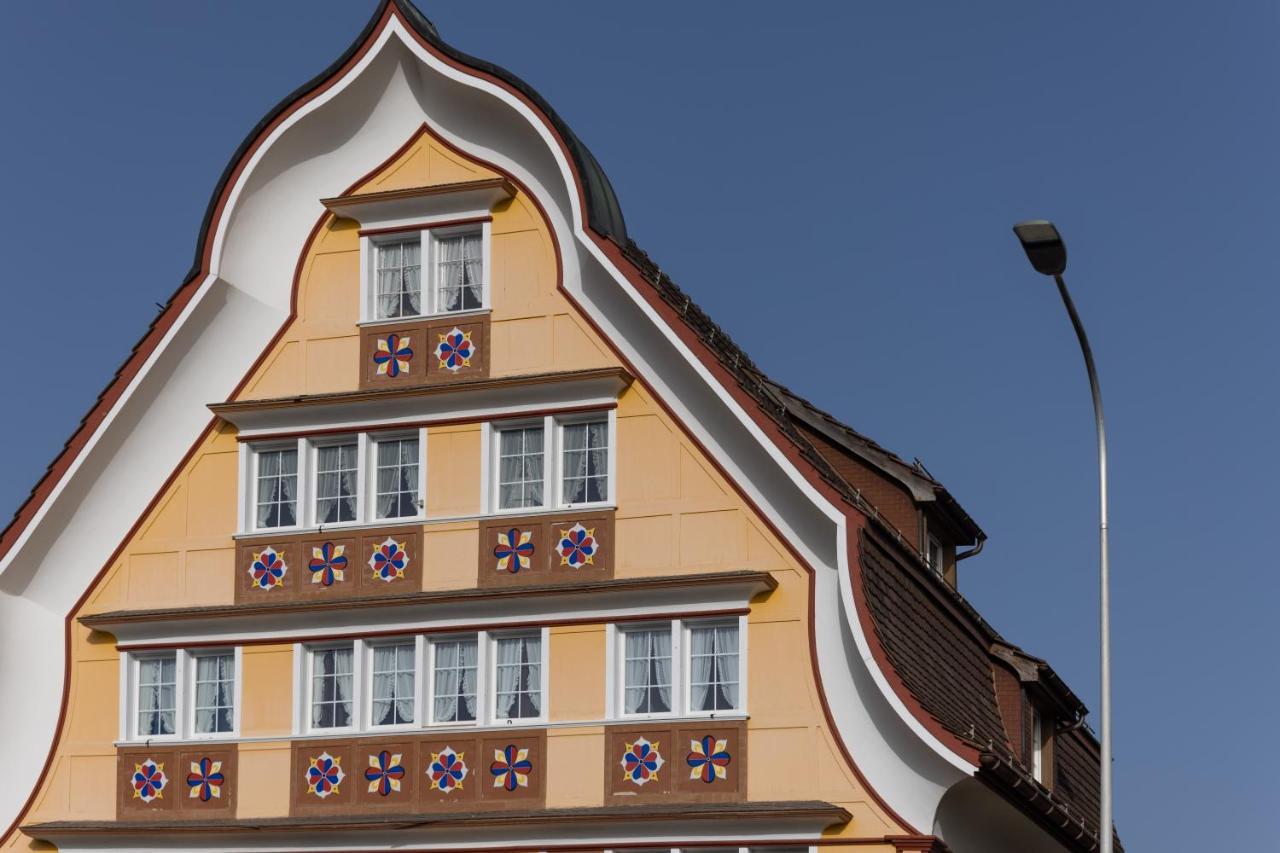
(149, 783)
(514, 767)
(269, 570)
(208, 781)
(324, 777)
(453, 771)
(457, 348)
(328, 567)
(391, 561)
(567, 547)
(394, 355)
(384, 774)
(713, 761)
(336, 565)
(640, 762)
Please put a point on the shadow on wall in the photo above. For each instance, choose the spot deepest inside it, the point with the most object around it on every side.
(974, 819)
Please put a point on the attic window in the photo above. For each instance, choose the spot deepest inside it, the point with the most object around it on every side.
(450, 261)
(1037, 746)
(934, 555)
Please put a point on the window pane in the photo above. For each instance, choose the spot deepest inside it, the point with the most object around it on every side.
(393, 685)
(586, 462)
(713, 668)
(647, 671)
(459, 273)
(454, 681)
(337, 483)
(520, 468)
(518, 677)
(215, 693)
(277, 488)
(397, 279)
(157, 695)
(397, 478)
(331, 688)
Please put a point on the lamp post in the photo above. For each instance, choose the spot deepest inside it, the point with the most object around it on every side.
(1048, 255)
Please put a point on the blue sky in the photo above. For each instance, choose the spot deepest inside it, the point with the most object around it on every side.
(834, 183)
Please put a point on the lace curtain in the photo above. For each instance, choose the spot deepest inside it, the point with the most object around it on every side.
(393, 668)
(399, 283)
(336, 484)
(461, 276)
(648, 672)
(520, 468)
(519, 672)
(156, 696)
(215, 678)
(455, 682)
(586, 462)
(277, 487)
(713, 661)
(397, 478)
(331, 689)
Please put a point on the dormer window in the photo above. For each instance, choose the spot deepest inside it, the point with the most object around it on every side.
(453, 258)
(1037, 746)
(935, 555)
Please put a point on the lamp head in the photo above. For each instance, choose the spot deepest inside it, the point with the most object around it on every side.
(1043, 245)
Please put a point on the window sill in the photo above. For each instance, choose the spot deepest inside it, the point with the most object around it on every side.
(418, 318)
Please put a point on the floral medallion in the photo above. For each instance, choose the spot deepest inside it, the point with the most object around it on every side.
(514, 550)
(708, 759)
(577, 546)
(392, 356)
(511, 768)
(388, 561)
(641, 762)
(447, 770)
(268, 569)
(204, 782)
(328, 564)
(455, 350)
(149, 781)
(324, 775)
(384, 773)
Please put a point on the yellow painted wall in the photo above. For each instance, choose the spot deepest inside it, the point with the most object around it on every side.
(675, 515)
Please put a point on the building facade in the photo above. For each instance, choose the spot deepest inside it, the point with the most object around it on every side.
(430, 514)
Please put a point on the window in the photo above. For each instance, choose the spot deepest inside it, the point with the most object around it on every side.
(530, 471)
(428, 272)
(337, 482)
(393, 690)
(586, 462)
(647, 670)
(179, 694)
(215, 678)
(713, 668)
(518, 677)
(935, 555)
(1037, 747)
(459, 273)
(332, 680)
(397, 274)
(277, 488)
(520, 478)
(397, 487)
(453, 680)
(678, 668)
(157, 695)
(363, 478)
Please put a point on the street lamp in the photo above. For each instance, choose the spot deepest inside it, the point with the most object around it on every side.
(1048, 255)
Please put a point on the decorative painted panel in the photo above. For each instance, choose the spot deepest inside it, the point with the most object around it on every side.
(305, 567)
(425, 352)
(662, 760)
(176, 782)
(546, 549)
(418, 772)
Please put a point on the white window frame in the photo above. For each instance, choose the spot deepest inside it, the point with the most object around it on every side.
(552, 462)
(362, 476)
(249, 485)
(1037, 745)
(428, 237)
(184, 695)
(303, 722)
(308, 448)
(681, 669)
(370, 483)
(429, 676)
(491, 677)
(931, 544)
(366, 687)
